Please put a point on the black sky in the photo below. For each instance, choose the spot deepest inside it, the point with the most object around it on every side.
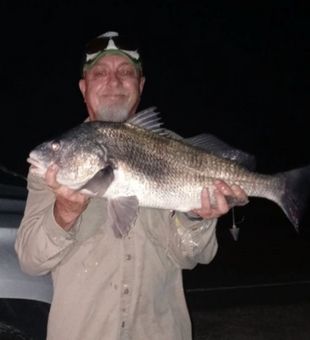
(237, 70)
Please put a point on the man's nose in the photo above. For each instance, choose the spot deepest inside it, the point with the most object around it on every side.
(114, 79)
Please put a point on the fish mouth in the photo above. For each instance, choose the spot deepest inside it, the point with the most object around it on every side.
(36, 168)
(39, 169)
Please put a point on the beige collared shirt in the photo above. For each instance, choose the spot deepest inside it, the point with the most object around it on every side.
(110, 289)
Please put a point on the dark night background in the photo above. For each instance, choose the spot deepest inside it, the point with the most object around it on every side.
(238, 70)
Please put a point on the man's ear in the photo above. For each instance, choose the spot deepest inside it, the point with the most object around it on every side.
(82, 86)
(141, 84)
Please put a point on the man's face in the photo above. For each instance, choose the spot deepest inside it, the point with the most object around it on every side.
(112, 89)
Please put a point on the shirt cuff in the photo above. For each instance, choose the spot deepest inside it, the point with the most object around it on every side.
(58, 234)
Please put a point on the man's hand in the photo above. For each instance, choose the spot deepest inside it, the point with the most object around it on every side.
(69, 204)
(207, 211)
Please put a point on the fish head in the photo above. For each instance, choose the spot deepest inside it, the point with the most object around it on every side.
(77, 154)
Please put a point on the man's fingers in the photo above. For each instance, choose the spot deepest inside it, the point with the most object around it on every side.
(205, 199)
(50, 177)
(239, 192)
(205, 203)
(235, 194)
(221, 206)
(221, 202)
(224, 188)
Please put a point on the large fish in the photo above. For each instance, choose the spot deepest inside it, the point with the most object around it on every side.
(135, 164)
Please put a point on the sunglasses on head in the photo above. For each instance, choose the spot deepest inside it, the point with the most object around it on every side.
(101, 43)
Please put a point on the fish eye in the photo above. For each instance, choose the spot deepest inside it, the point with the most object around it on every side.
(55, 145)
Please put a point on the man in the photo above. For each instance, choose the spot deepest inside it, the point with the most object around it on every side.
(106, 288)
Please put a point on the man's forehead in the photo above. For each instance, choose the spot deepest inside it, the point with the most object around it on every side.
(115, 60)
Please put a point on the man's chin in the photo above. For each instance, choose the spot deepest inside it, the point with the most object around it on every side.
(113, 113)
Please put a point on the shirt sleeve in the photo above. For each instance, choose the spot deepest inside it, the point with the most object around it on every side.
(41, 243)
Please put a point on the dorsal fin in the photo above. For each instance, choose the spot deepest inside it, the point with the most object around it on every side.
(219, 148)
(148, 119)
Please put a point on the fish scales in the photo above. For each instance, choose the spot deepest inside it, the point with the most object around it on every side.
(170, 168)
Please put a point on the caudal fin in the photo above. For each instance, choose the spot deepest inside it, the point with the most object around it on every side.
(297, 190)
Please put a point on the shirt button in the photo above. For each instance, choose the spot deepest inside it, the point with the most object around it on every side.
(128, 257)
(126, 291)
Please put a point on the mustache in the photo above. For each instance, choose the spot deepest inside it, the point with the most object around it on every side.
(115, 93)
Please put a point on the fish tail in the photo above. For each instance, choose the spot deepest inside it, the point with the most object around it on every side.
(296, 192)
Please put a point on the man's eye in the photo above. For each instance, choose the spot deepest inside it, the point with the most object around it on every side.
(127, 72)
(100, 73)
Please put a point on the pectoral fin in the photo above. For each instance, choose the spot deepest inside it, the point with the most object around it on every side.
(100, 183)
(123, 212)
